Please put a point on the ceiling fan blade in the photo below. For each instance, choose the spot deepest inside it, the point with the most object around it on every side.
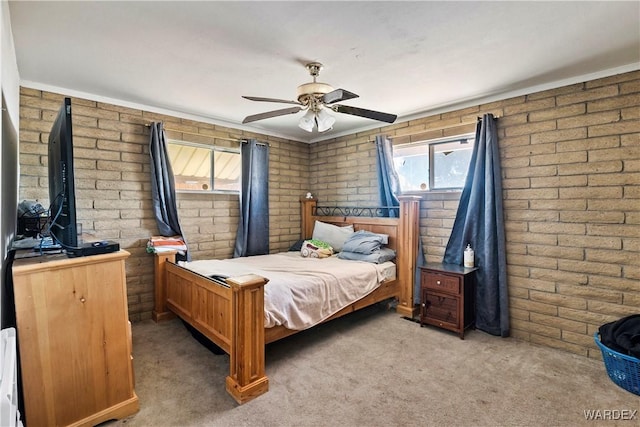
(370, 114)
(284, 101)
(268, 114)
(337, 96)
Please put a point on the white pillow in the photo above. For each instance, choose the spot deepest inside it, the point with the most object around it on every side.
(332, 234)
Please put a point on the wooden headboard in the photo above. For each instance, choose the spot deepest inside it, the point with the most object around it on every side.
(403, 235)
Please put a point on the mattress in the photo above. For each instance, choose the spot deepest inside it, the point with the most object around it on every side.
(302, 292)
(387, 270)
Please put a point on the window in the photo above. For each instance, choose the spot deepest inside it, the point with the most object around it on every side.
(435, 164)
(203, 168)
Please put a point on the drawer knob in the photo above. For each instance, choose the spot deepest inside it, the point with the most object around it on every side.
(438, 282)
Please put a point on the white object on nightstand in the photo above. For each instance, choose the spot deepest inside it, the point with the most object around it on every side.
(469, 257)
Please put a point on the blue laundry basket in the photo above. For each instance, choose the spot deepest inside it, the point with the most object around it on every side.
(622, 369)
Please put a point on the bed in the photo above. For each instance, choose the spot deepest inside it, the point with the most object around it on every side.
(230, 311)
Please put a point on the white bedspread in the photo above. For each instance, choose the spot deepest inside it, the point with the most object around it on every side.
(302, 292)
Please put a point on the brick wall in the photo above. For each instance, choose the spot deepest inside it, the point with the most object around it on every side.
(113, 193)
(571, 175)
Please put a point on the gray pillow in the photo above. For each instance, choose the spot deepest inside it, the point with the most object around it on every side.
(365, 242)
(332, 234)
(382, 255)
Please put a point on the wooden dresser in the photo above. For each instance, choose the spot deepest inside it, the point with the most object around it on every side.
(74, 339)
(447, 297)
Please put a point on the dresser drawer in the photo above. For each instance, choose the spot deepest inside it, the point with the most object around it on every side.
(441, 308)
(441, 282)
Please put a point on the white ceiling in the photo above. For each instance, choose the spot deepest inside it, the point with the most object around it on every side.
(196, 59)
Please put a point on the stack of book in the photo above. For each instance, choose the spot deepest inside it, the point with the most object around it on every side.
(166, 244)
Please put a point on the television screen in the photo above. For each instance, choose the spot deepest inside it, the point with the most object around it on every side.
(62, 198)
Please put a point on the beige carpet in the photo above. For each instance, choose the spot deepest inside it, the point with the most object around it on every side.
(373, 368)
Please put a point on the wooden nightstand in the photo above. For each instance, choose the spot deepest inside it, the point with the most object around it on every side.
(447, 296)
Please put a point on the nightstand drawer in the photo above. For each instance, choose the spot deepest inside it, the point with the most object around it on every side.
(441, 308)
(442, 282)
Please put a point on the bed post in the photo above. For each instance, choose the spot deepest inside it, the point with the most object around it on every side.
(408, 233)
(247, 378)
(160, 311)
(306, 220)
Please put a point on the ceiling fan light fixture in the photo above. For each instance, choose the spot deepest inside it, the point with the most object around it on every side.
(307, 121)
(316, 97)
(325, 120)
(310, 89)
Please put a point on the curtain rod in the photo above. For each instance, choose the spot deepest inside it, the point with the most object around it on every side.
(454, 125)
(431, 130)
(202, 135)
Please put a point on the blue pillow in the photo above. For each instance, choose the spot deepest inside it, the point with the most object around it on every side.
(365, 242)
(382, 255)
(297, 246)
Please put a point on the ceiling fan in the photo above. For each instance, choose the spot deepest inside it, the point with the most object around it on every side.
(317, 98)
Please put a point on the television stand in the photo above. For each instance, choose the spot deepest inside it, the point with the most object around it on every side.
(74, 339)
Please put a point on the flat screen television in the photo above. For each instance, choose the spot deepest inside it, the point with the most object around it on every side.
(62, 198)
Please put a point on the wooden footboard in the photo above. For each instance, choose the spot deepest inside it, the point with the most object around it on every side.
(231, 314)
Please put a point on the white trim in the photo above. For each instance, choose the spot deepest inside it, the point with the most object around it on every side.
(445, 108)
(498, 96)
(158, 110)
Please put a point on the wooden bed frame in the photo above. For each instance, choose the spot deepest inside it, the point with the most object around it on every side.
(232, 316)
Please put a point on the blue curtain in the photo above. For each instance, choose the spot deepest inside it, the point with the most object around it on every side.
(389, 188)
(163, 189)
(480, 223)
(388, 181)
(253, 229)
